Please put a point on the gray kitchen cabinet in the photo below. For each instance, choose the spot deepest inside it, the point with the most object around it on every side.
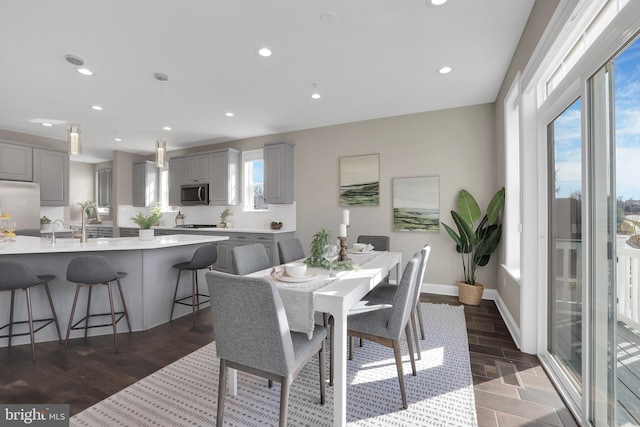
(224, 188)
(104, 187)
(145, 184)
(128, 232)
(51, 171)
(16, 162)
(196, 169)
(278, 173)
(176, 179)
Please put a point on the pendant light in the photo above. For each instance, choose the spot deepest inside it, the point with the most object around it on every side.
(161, 144)
(73, 135)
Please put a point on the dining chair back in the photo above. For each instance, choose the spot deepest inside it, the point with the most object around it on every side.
(379, 243)
(290, 250)
(385, 324)
(252, 335)
(248, 259)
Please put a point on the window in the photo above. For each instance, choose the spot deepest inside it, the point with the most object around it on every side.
(253, 180)
(512, 222)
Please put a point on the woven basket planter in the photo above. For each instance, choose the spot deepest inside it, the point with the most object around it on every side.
(470, 294)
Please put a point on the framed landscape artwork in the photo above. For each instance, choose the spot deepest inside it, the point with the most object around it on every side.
(360, 180)
(416, 204)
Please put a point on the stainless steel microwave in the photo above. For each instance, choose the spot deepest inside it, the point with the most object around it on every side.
(194, 194)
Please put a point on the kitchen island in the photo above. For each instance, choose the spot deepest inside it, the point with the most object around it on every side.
(148, 287)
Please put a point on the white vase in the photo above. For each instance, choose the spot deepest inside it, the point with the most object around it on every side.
(146, 233)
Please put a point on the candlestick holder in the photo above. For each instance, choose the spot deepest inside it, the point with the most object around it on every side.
(343, 249)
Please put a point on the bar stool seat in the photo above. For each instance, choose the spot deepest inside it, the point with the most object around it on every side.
(203, 257)
(88, 271)
(15, 276)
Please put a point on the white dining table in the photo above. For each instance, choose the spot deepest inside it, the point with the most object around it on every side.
(336, 296)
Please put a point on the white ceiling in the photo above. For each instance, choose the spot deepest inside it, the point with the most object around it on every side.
(376, 58)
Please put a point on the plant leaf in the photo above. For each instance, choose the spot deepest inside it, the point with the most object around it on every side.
(495, 206)
(468, 208)
(467, 236)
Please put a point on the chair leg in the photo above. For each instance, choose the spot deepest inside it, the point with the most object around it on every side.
(414, 327)
(322, 373)
(13, 297)
(222, 391)
(194, 295)
(175, 295)
(284, 401)
(398, 356)
(351, 340)
(113, 317)
(420, 320)
(332, 354)
(30, 313)
(407, 332)
(270, 383)
(124, 305)
(361, 341)
(73, 309)
(86, 319)
(53, 310)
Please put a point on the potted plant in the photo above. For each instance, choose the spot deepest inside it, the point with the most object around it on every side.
(145, 222)
(45, 224)
(477, 238)
(223, 217)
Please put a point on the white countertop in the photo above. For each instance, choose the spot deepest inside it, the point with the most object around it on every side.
(37, 245)
(225, 230)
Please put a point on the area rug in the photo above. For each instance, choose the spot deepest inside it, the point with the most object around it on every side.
(185, 392)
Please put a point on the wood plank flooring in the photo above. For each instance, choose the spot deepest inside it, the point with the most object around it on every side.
(511, 388)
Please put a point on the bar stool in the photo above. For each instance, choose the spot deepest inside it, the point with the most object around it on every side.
(15, 276)
(203, 257)
(89, 271)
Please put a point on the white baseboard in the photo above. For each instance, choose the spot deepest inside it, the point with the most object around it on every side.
(452, 290)
(488, 294)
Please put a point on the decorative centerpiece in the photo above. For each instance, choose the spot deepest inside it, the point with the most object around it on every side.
(145, 222)
(223, 217)
(317, 258)
(275, 225)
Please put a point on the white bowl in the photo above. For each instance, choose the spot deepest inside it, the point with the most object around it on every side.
(359, 246)
(296, 269)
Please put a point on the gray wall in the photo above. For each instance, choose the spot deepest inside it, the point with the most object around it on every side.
(458, 145)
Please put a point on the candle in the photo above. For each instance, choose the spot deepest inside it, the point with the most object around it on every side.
(343, 230)
(345, 217)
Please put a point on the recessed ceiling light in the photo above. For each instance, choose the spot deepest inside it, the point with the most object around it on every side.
(264, 51)
(445, 70)
(47, 124)
(166, 128)
(316, 95)
(437, 2)
(229, 114)
(328, 17)
(117, 139)
(96, 107)
(85, 71)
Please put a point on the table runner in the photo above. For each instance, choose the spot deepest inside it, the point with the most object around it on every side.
(298, 298)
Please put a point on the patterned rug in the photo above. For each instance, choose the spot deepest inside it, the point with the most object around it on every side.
(185, 392)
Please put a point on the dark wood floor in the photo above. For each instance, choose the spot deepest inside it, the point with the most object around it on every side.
(511, 388)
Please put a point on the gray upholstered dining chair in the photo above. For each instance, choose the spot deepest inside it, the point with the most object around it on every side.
(249, 259)
(16, 276)
(379, 243)
(385, 293)
(252, 335)
(290, 250)
(384, 324)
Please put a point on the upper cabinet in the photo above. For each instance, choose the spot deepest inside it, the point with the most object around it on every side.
(176, 179)
(278, 173)
(197, 169)
(224, 185)
(105, 176)
(51, 171)
(145, 184)
(16, 162)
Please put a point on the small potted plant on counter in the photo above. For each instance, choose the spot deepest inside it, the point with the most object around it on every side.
(223, 217)
(145, 222)
(45, 224)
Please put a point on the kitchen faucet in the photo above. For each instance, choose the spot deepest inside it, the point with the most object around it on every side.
(53, 230)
